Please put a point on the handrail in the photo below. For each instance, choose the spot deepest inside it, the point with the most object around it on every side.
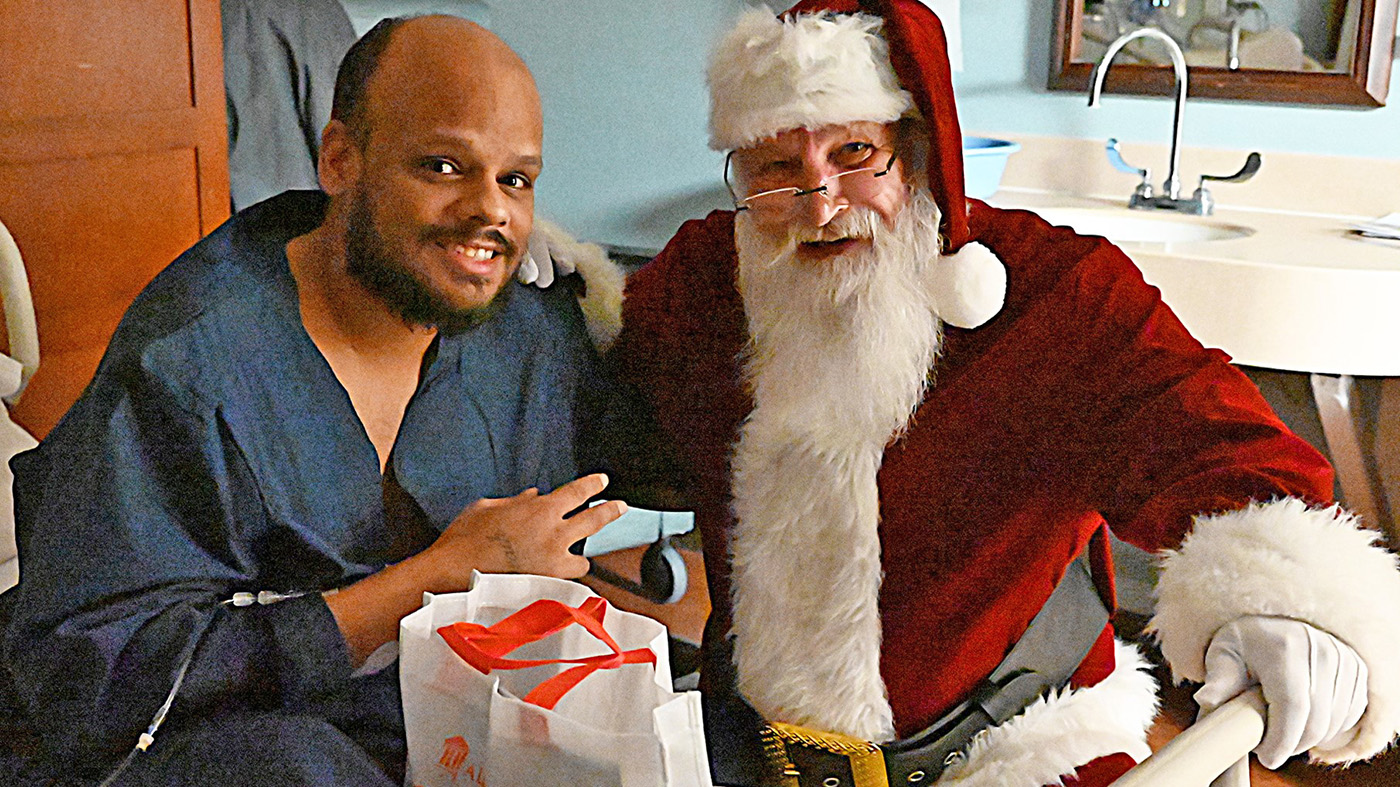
(1217, 745)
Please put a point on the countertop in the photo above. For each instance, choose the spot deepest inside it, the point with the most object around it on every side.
(1299, 293)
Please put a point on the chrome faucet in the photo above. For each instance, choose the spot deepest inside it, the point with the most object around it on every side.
(1200, 203)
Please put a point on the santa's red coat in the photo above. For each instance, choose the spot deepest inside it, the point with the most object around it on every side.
(1084, 403)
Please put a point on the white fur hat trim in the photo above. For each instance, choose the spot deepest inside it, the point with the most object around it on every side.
(969, 287)
(770, 75)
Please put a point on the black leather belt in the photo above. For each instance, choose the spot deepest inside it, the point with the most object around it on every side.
(1044, 658)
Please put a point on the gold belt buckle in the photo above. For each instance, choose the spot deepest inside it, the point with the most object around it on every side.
(867, 763)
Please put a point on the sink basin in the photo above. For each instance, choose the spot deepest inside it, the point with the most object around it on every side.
(1121, 225)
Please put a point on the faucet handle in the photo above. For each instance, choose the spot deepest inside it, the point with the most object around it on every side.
(1115, 157)
(1202, 197)
(1251, 166)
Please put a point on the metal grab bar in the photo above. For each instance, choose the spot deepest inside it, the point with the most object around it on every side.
(1217, 745)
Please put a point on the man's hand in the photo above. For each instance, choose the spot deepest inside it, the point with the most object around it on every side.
(523, 534)
(526, 534)
(1314, 684)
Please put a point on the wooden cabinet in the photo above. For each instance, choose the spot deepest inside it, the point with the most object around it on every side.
(113, 160)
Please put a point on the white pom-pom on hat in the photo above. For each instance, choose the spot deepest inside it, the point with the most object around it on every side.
(969, 287)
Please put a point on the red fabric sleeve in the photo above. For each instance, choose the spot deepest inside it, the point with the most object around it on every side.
(1177, 430)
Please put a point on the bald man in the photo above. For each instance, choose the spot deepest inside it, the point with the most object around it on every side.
(335, 402)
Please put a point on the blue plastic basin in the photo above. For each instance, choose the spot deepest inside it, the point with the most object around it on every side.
(984, 161)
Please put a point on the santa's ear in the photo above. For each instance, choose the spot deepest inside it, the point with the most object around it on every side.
(969, 287)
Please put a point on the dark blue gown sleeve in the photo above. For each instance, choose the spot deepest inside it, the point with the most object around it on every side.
(136, 517)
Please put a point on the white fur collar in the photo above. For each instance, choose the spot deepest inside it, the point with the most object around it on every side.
(840, 360)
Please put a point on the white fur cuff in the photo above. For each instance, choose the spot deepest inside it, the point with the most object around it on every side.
(1286, 559)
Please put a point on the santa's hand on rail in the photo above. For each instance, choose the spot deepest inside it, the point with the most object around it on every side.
(1314, 684)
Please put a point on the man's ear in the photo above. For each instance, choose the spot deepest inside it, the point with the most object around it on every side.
(339, 164)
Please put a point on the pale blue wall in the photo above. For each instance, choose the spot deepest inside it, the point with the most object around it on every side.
(625, 105)
(625, 108)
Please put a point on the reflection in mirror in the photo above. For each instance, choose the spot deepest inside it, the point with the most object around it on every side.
(1304, 51)
(1274, 35)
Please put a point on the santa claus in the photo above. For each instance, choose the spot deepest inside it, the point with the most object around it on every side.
(905, 414)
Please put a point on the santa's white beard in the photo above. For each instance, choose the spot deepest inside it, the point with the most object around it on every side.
(839, 360)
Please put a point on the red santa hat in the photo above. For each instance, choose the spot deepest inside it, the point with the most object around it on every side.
(828, 62)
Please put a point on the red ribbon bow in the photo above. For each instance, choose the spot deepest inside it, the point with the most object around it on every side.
(484, 647)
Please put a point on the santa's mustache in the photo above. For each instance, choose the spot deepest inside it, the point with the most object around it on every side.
(853, 223)
(466, 236)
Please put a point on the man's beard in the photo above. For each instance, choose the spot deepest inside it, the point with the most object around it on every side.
(389, 279)
(840, 357)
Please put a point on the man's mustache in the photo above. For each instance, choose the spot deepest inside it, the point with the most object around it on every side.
(855, 222)
(466, 236)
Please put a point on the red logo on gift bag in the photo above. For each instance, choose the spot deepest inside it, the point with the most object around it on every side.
(454, 753)
(454, 756)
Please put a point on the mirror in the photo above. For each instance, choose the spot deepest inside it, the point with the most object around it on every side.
(1291, 51)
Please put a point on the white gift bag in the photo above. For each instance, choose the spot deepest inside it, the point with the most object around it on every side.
(566, 690)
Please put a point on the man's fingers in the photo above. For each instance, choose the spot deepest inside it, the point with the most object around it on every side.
(539, 254)
(1339, 700)
(1348, 697)
(1331, 677)
(586, 523)
(1360, 697)
(1282, 733)
(577, 492)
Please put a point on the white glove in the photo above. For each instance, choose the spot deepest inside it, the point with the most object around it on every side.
(546, 257)
(1314, 684)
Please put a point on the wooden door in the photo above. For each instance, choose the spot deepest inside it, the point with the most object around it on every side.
(113, 160)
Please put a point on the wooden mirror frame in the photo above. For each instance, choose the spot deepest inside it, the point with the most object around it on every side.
(1365, 86)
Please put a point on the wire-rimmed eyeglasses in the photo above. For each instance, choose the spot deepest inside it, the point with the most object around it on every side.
(777, 199)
